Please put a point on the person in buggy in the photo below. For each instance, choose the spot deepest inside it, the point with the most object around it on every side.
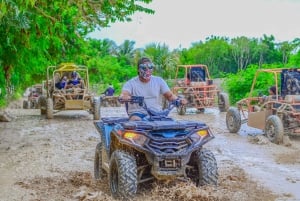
(151, 87)
(109, 91)
(75, 81)
(62, 84)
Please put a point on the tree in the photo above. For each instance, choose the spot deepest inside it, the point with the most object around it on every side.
(53, 30)
(241, 51)
(164, 60)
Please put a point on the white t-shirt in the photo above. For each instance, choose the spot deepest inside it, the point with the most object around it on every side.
(151, 91)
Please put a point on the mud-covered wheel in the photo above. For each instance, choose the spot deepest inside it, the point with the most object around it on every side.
(233, 120)
(25, 104)
(42, 104)
(96, 108)
(274, 129)
(98, 170)
(49, 110)
(207, 168)
(123, 175)
(181, 110)
(223, 101)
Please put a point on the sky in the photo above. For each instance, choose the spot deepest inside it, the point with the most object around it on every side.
(179, 23)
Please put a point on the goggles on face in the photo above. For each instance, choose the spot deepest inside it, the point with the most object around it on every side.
(146, 66)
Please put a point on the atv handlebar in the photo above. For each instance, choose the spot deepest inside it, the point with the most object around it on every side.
(134, 99)
(152, 113)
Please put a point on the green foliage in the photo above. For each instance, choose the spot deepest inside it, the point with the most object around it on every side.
(239, 85)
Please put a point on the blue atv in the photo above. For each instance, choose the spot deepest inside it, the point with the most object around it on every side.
(157, 147)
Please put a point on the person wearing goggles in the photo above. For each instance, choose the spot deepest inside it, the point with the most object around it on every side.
(151, 87)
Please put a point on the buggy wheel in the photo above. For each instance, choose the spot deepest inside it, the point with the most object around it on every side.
(96, 108)
(181, 110)
(25, 104)
(274, 129)
(207, 168)
(122, 175)
(223, 101)
(42, 104)
(49, 111)
(98, 170)
(233, 120)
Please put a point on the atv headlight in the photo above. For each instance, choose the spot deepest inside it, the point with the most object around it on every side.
(198, 135)
(135, 138)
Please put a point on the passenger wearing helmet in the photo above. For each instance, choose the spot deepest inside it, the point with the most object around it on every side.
(75, 81)
(149, 86)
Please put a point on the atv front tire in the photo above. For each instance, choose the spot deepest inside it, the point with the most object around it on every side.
(274, 129)
(207, 168)
(233, 120)
(123, 175)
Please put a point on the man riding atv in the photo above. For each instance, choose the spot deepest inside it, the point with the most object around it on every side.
(150, 145)
(149, 86)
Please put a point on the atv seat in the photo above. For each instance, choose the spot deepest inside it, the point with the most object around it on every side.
(161, 125)
(114, 120)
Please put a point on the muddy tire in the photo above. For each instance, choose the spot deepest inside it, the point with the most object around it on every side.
(49, 110)
(98, 170)
(42, 104)
(96, 108)
(274, 129)
(123, 175)
(207, 168)
(233, 120)
(181, 110)
(223, 102)
(25, 104)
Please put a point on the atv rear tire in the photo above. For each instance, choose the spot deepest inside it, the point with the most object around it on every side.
(96, 108)
(274, 129)
(123, 175)
(207, 168)
(223, 102)
(49, 111)
(233, 120)
(98, 170)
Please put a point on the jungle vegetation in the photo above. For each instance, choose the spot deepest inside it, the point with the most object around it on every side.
(37, 33)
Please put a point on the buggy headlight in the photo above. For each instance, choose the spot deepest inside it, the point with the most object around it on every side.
(135, 138)
(198, 135)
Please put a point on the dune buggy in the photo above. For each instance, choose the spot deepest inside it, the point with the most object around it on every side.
(193, 82)
(32, 101)
(157, 147)
(277, 115)
(73, 98)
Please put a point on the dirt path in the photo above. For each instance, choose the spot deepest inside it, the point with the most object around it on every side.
(44, 159)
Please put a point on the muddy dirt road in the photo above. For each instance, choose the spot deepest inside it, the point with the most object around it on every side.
(44, 159)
